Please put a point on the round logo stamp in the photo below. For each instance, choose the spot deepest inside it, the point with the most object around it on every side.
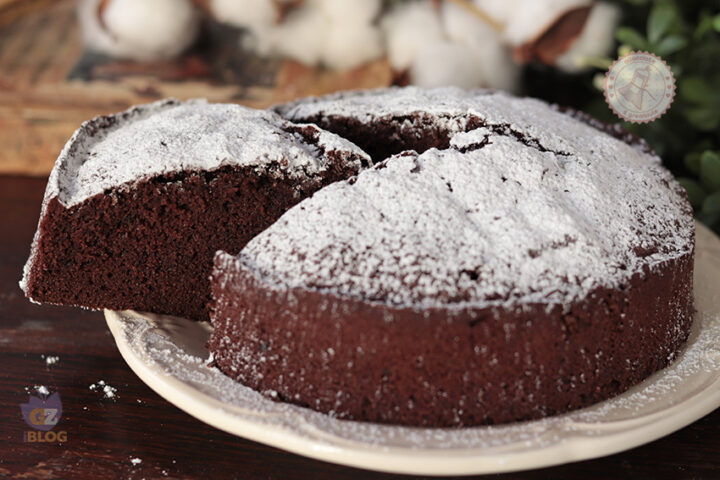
(639, 87)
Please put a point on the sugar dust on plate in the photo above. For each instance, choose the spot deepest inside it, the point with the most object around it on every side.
(50, 359)
(108, 390)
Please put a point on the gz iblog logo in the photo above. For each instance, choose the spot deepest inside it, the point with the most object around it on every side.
(42, 414)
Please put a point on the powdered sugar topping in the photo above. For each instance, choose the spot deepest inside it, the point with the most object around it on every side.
(171, 136)
(450, 106)
(533, 207)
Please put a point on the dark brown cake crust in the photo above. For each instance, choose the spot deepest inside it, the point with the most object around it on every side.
(150, 247)
(363, 361)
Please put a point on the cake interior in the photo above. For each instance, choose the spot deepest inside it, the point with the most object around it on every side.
(150, 247)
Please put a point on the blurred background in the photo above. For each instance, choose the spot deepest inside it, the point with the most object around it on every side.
(65, 61)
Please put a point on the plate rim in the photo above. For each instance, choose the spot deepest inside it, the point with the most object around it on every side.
(414, 460)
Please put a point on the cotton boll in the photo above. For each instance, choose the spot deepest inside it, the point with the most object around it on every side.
(337, 33)
(357, 11)
(347, 46)
(498, 70)
(464, 51)
(139, 29)
(446, 63)
(409, 29)
(596, 39)
(501, 11)
(301, 36)
(251, 14)
(533, 17)
(351, 39)
(461, 26)
(94, 35)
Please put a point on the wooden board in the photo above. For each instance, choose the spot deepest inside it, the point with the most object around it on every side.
(49, 83)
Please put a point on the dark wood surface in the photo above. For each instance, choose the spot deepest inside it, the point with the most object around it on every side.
(104, 434)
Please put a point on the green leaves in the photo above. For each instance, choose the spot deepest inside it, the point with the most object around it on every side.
(686, 34)
(705, 25)
(664, 32)
(710, 212)
(703, 100)
(695, 192)
(711, 204)
(704, 195)
(703, 118)
(697, 89)
(631, 37)
(692, 162)
(670, 44)
(659, 21)
(710, 170)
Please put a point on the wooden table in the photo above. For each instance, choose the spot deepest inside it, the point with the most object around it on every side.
(104, 434)
(49, 83)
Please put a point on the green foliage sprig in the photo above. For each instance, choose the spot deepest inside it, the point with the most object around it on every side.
(686, 34)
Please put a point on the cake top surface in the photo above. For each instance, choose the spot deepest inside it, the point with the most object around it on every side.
(394, 101)
(450, 108)
(533, 207)
(171, 136)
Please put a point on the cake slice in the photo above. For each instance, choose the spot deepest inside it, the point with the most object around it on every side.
(138, 202)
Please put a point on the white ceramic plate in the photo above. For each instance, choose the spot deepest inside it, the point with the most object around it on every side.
(169, 355)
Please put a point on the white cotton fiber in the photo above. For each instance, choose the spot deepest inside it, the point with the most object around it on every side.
(338, 34)
(300, 36)
(355, 11)
(596, 39)
(461, 26)
(535, 17)
(493, 58)
(409, 29)
(501, 10)
(251, 14)
(499, 70)
(446, 63)
(139, 29)
(348, 46)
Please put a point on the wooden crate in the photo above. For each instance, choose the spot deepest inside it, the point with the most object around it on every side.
(49, 83)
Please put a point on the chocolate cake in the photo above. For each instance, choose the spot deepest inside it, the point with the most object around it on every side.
(508, 261)
(138, 202)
